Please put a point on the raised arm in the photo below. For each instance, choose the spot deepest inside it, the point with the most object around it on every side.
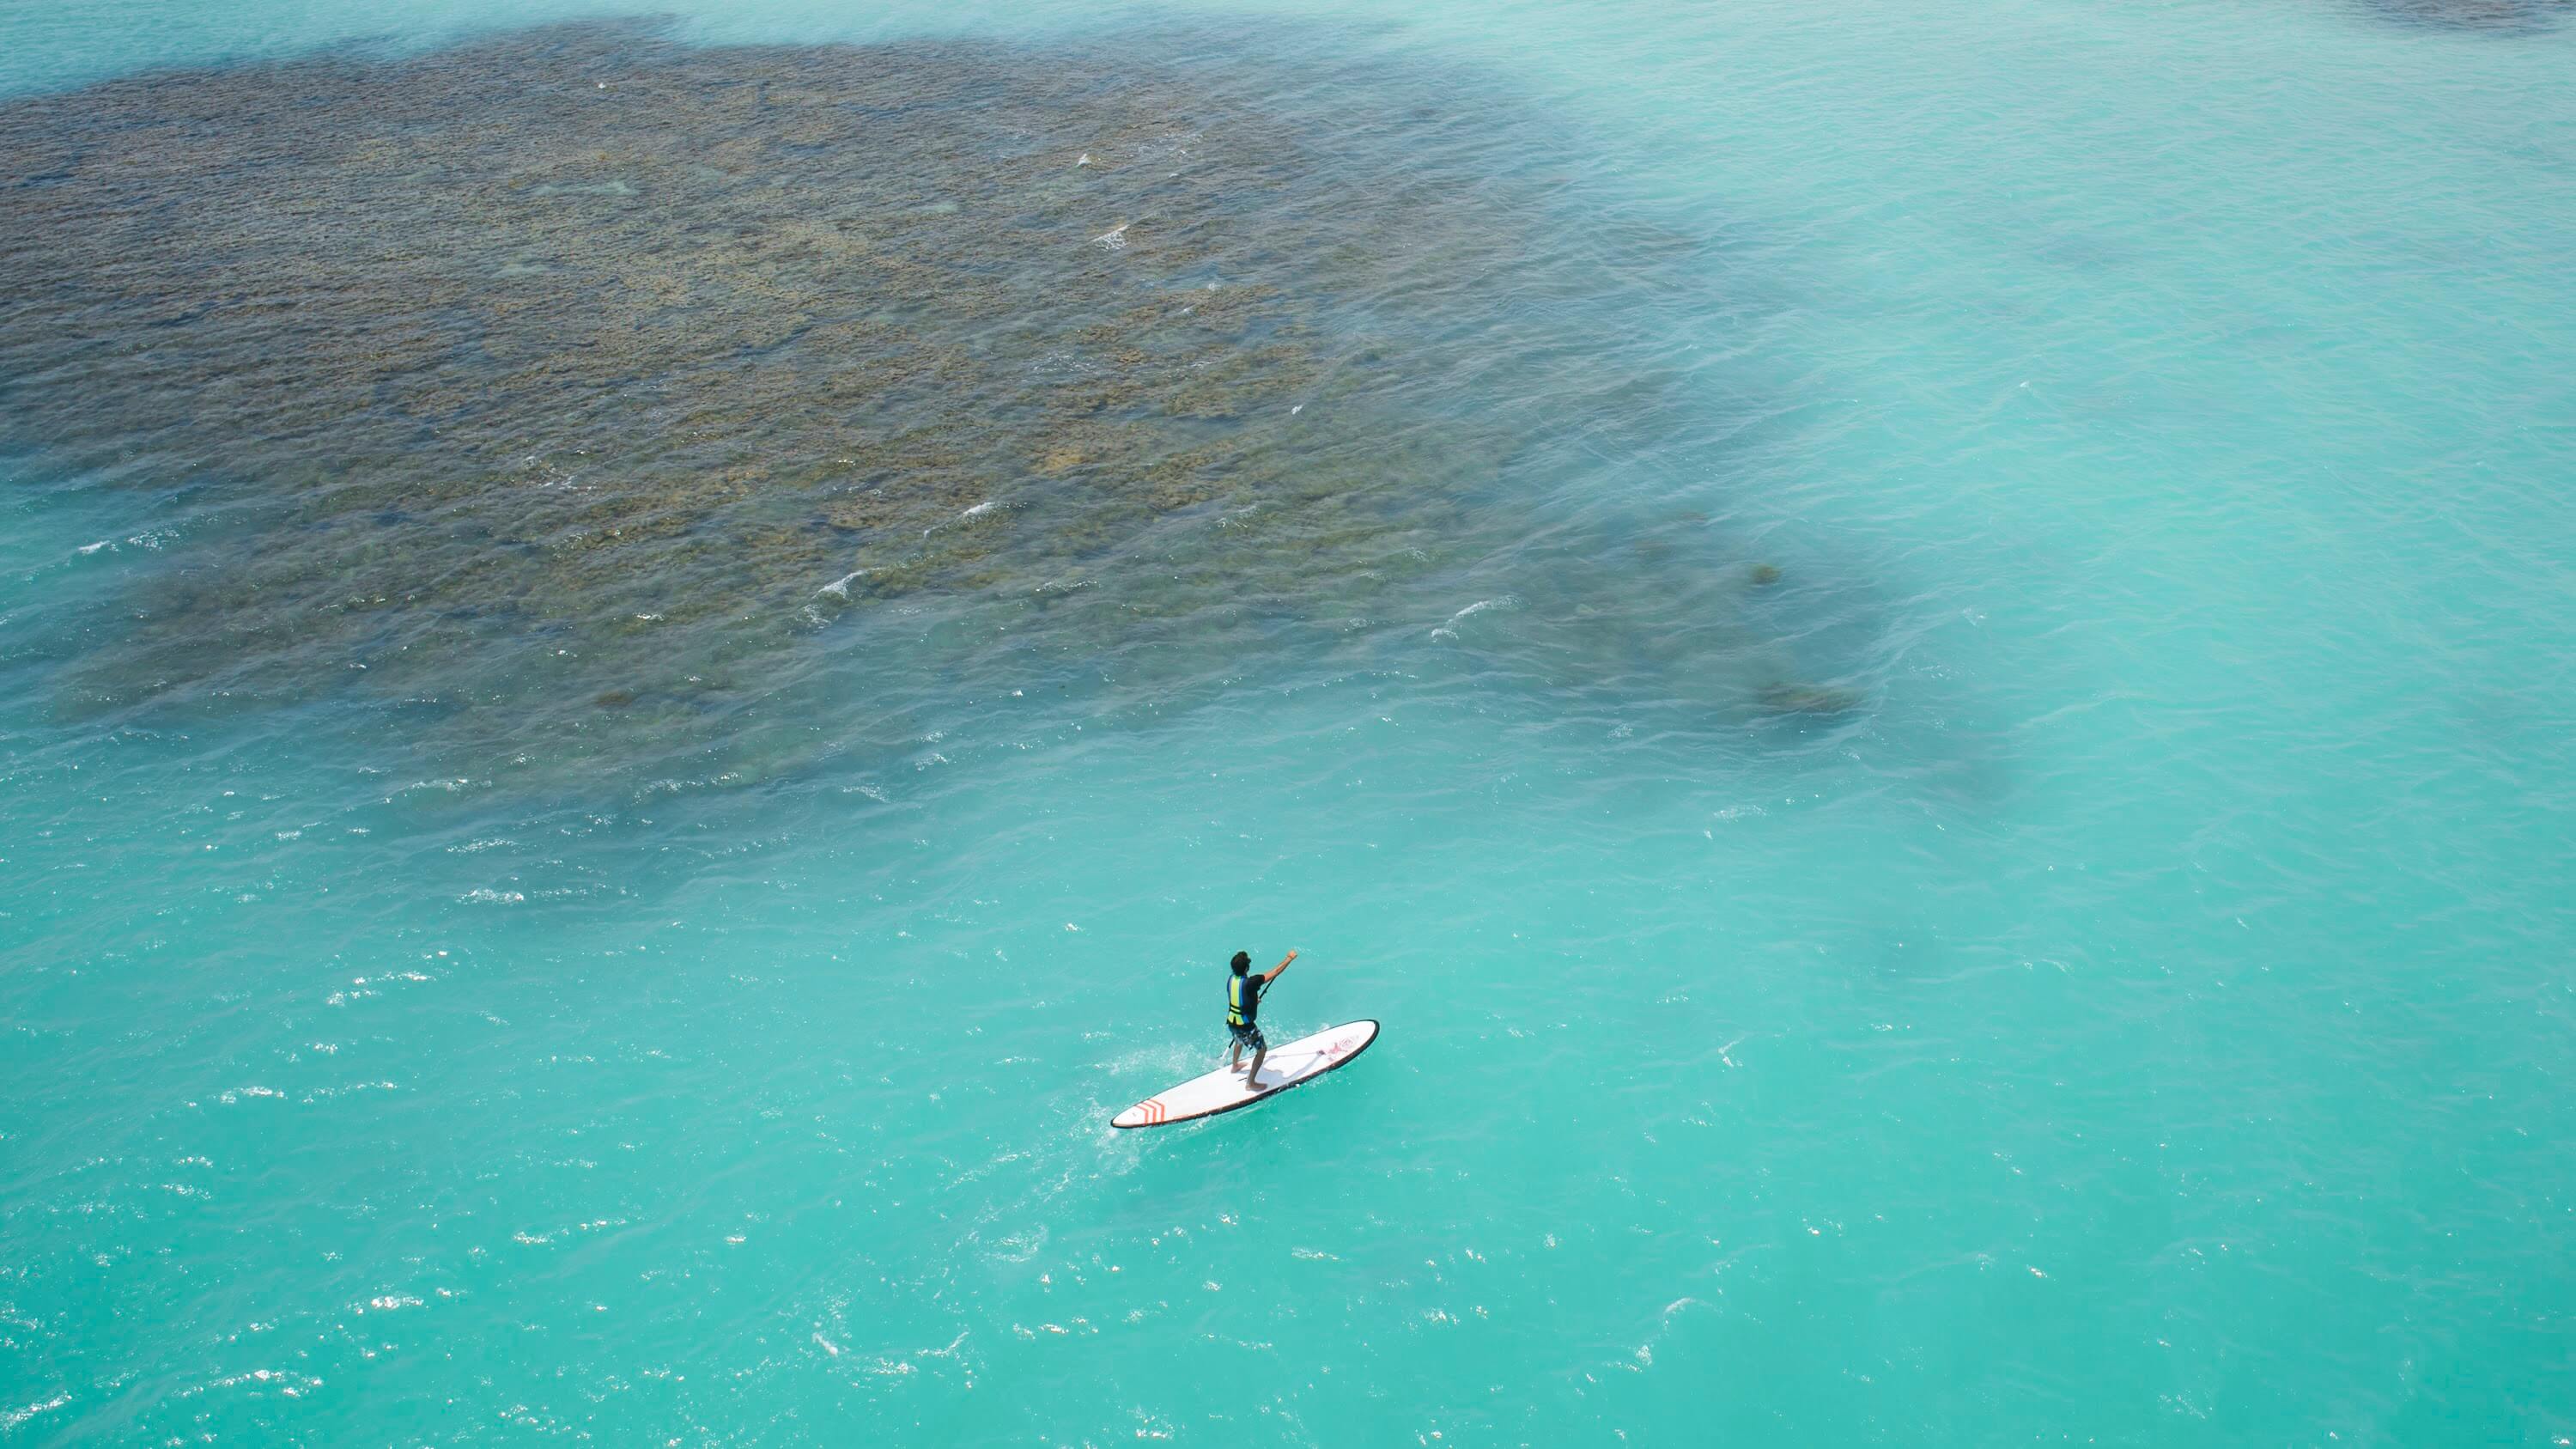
(1273, 973)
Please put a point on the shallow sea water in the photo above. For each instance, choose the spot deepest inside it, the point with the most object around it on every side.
(2145, 1019)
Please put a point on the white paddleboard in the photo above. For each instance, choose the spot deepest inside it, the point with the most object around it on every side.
(1294, 1064)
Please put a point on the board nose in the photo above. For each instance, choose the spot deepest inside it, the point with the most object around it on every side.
(1148, 1113)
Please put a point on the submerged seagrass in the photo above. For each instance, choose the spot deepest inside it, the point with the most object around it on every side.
(579, 378)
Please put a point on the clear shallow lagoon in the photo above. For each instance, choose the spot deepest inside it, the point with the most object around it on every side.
(2146, 1020)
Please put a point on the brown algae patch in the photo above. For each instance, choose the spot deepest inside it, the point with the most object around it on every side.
(579, 376)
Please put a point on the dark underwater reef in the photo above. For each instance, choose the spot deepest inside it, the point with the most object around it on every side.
(579, 379)
(2509, 17)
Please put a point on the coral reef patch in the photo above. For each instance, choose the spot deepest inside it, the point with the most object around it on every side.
(579, 379)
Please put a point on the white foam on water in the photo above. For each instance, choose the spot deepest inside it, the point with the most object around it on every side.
(12, 1418)
(1449, 630)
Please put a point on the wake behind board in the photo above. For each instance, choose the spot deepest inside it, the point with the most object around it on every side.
(1293, 1065)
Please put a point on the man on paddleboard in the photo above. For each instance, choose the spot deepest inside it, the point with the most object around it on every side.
(1243, 992)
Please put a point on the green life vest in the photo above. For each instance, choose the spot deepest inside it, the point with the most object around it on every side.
(1242, 1000)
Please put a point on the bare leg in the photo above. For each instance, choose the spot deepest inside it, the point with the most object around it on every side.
(1253, 1078)
(1234, 1058)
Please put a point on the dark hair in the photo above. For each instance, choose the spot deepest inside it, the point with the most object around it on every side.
(1242, 962)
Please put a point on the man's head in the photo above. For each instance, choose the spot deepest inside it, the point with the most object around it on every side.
(1242, 962)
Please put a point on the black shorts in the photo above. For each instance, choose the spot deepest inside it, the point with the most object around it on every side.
(1248, 1036)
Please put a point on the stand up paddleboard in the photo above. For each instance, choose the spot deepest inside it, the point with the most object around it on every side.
(1299, 1062)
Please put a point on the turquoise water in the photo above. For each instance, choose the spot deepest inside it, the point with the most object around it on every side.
(2145, 1019)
